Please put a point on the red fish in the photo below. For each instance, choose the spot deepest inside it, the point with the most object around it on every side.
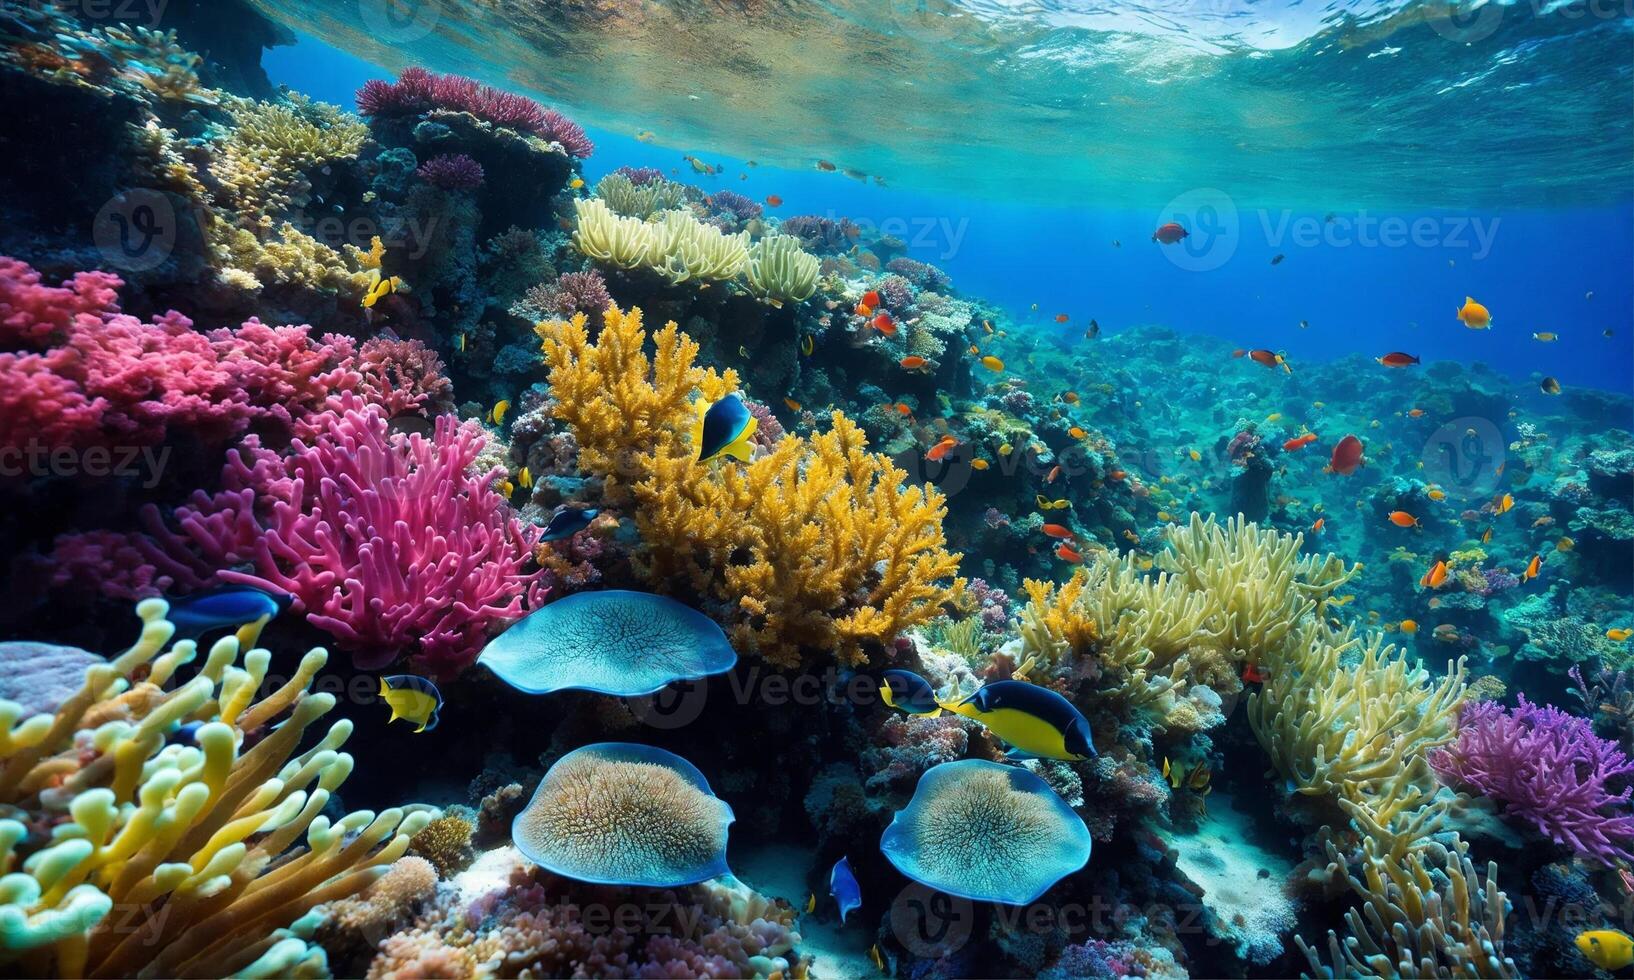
(1169, 233)
(1270, 359)
(913, 362)
(1068, 554)
(772, 200)
(885, 325)
(1061, 318)
(1252, 675)
(1347, 456)
(1057, 531)
(939, 451)
(1299, 442)
(1055, 474)
(1397, 359)
(1321, 522)
(871, 299)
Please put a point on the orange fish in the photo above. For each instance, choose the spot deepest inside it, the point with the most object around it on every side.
(772, 200)
(1070, 397)
(1435, 577)
(1532, 568)
(1077, 433)
(1416, 413)
(1068, 554)
(1116, 475)
(1397, 359)
(871, 298)
(1401, 518)
(863, 310)
(939, 452)
(1321, 522)
(1061, 318)
(913, 362)
(1057, 531)
(885, 325)
(1055, 474)
(1270, 359)
(1299, 442)
(903, 409)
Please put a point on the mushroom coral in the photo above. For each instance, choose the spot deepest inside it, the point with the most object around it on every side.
(194, 840)
(617, 813)
(986, 832)
(815, 549)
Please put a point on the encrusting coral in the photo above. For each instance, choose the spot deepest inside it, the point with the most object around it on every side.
(815, 549)
(179, 803)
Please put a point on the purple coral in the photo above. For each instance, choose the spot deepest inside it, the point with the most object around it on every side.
(640, 175)
(734, 206)
(1549, 769)
(897, 293)
(572, 292)
(418, 90)
(921, 274)
(820, 234)
(452, 172)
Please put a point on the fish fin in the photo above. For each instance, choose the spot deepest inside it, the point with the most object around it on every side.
(250, 633)
(934, 714)
(741, 448)
(1019, 755)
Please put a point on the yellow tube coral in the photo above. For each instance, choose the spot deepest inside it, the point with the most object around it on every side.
(818, 548)
(196, 842)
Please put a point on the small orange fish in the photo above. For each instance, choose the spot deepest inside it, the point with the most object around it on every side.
(1416, 413)
(772, 200)
(1055, 474)
(1504, 504)
(903, 409)
(871, 298)
(1077, 433)
(1061, 318)
(992, 363)
(973, 350)
(1070, 397)
(1068, 554)
(913, 362)
(1435, 577)
(885, 325)
(1057, 531)
(1321, 522)
(863, 310)
(1401, 518)
(1252, 675)
(1299, 442)
(794, 406)
(978, 464)
(1532, 568)
(939, 452)
(1116, 475)
(1486, 536)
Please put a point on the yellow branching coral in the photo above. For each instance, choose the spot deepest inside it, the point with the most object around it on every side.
(286, 256)
(262, 163)
(819, 547)
(198, 844)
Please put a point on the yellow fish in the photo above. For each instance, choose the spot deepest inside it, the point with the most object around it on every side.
(412, 698)
(992, 363)
(978, 464)
(1546, 336)
(1608, 949)
(1006, 449)
(811, 903)
(794, 406)
(1505, 503)
(1565, 544)
(1486, 536)
(380, 290)
(497, 416)
(524, 479)
(876, 958)
(1409, 626)
(1619, 634)
(1077, 433)
(1473, 315)
(461, 343)
(576, 183)
(1274, 417)
(1164, 516)
(808, 344)
(1436, 494)
(1196, 457)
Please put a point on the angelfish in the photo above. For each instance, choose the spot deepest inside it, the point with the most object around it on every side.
(568, 521)
(1038, 722)
(907, 691)
(842, 884)
(244, 607)
(724, 429)
(412, 698)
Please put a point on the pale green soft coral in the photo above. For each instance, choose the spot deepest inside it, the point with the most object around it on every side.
(684, 249)
(780, 271)
(642, 201)
(262, 163)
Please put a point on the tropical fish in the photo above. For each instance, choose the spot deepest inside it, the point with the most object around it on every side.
(244, 607)
(1409, 626)
(1618, 635)
(496, 415)
(1397, 359)
(1436, 494)
(871, 299)
(1565, 544)
(1473, 315)
(1093, 331)
(1546, 336)
(1317, 527)
(1038, 722)
(1401, 518)
(1253, 675)
(1274, 417)
(460, 343)
(1058, 531)
(1062, 318)
(380, 290)
(1045, 503)
(1055, 474)
(1532, 568)
(884, 324)
(842, 884)
(773, 201)
(412, 698)
(987, 325)
(568, 521)
(1077, 433)
(992, 363)
(903, 409)
(907, 691)
(1608, 949)
(978, 464)
(811, 902)
(1270, 359)
(793, 405)
(913, 362)
(1068, 553)
(1195, 456)
(808, 345)
(723, 429)
(939, 452)
(1277, 258)
(1299, 442)
(1503, 504)
(1070, 397)
(1347, 456)
(1549, 386)
(1415, 413)
(1486, 536)
(1435, 577)
(1169, 232)
(524, 479)
(873, 951)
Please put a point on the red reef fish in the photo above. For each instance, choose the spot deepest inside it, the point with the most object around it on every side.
(1532, 568)
(1169, 233)
(1397, 359)
(1068, 554)
(1299, 442)
(870, 299)
(1061, 318)
(939, 452)
(1270, 358)
(885, 325)
(1055, 474)
(913, 362)
(1436, 577)
(1347, 456)
(773, 201)
(1057, 531)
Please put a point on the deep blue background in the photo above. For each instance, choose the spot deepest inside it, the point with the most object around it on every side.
(1356, 296)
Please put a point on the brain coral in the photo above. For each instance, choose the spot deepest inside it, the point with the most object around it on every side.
(616, 813)
(987, 832)
(612, 642)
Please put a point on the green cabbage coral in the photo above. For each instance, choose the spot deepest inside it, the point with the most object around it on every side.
(781, 272)
(643, 201)
(682, 248)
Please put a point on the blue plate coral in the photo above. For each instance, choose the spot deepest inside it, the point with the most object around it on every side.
(988, 832)
(616, 813)
(611, 642)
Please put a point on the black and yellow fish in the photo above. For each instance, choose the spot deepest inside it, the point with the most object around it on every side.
(1038, 722)
(907, 691)
(724, 429)
(412, 698)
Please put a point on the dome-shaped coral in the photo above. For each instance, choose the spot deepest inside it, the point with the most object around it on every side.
(988, 832)
(622, 814)
(612, 642)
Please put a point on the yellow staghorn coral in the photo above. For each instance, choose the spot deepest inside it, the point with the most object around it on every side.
(196, 845)
(1428, 913)
(262, 162)
(287, 256)
(818, 547)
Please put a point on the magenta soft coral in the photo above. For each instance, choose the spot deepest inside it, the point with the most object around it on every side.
(395, 545)
(1547, 768)
(418, 90)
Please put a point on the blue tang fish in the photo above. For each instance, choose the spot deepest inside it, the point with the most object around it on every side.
(908, 691)
(412, 698)
(724, 429)
(1040, 723)
(240, 607)
(566, 522)
(842, 884)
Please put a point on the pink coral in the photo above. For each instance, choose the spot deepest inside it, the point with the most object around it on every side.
(35, 315)
(403, 376)
(452, 172)
(418, 90)
(390, 543)
(907, 745)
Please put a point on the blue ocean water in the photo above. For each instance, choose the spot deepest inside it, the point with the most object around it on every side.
(1350, 279)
